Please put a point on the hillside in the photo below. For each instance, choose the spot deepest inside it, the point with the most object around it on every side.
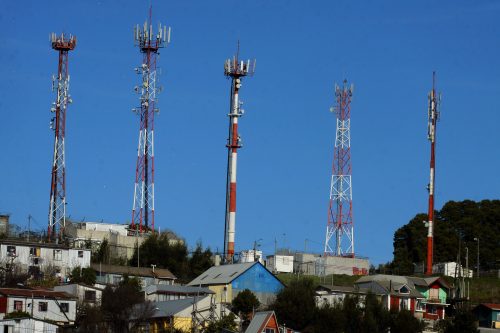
(457, 224)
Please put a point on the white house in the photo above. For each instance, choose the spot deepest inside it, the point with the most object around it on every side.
(55, 306)
(279, 263)
(27, 325)
(41, 257)
(85, 294)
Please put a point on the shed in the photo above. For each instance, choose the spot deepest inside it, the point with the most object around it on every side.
(488, 314)
(263, 322)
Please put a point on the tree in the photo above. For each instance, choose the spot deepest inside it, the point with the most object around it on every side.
(328, 319)
(352, 315)
(376, 318)
(124, 304)
(226, 322)
(245, 303)
(296, 305)
(404, 322)
(200, 261)
(463, 322)
(83, 275)
(102, 254)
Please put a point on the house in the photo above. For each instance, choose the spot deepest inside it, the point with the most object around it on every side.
(423, 297)
(228, 280)
(263, 322)
(84, 293)
(55, 306)
(398, 292)
(27, 325)
(331, 295)
(164, 292)
(114, 274)
(43, 258)
(182, 314)
(435, 291)
(488, 315)
(279, 263)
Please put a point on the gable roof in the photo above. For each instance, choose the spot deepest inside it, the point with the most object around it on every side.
(35, 293)
(176, 289)
(160, 273)
(393, 283)
(259, 321)
(223, 274)
(171, 308)
(492, 306)
(343, 289)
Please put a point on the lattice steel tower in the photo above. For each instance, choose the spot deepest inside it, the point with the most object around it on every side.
(235, 69)
(340, 222)
(57, 209)
(144, 198)
(433, 116)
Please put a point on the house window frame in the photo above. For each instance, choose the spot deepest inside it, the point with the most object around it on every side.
(269, 330)
(11, 250)
(419, 305)
(80, 253)
(91, 298)
(64, 307)
(57, 255)
(18, 305)
(43, 306)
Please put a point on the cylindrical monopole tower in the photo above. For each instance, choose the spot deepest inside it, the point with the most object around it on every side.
(235, 69)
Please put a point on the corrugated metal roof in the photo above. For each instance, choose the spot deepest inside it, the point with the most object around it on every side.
(176, 289)
(223, 274)
(161, 273)
(492, 306)
(259, 321)
(171, 308)
(35, 293)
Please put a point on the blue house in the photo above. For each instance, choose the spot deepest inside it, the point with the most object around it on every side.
(226, 281)
(488, 315)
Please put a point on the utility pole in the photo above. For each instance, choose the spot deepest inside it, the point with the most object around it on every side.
(467, 269)
(477, 240)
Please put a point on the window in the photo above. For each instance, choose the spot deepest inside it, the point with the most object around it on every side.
(11, 250)
(18, 305)
(64, 307)
(404, 290)
(42, 306)
(90, 295)
(57, 255)
(35, 251)
(405, 304)
(270, 330)
(433, 293)
(80, 254)
(419, 305)
(431, 309)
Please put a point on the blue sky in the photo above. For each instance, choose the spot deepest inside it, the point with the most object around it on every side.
(388, 49)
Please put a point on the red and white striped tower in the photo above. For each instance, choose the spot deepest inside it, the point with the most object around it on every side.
(143, 217)
(433, 115)
(340, 222)
(236, 70)
(57, 208)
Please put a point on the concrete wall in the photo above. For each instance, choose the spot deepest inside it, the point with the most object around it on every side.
(341, 265)
(304, 263)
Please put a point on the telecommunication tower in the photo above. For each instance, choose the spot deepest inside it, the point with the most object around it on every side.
(149, 44)
(235, 69)
(57, 209)
(340, 222)
(433, 115)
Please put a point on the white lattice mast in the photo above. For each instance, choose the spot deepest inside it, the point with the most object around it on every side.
(149, 45)
(235, 69)
(57, 208)
(340, 227)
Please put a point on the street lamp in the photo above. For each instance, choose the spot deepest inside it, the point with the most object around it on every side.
(477, 240)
